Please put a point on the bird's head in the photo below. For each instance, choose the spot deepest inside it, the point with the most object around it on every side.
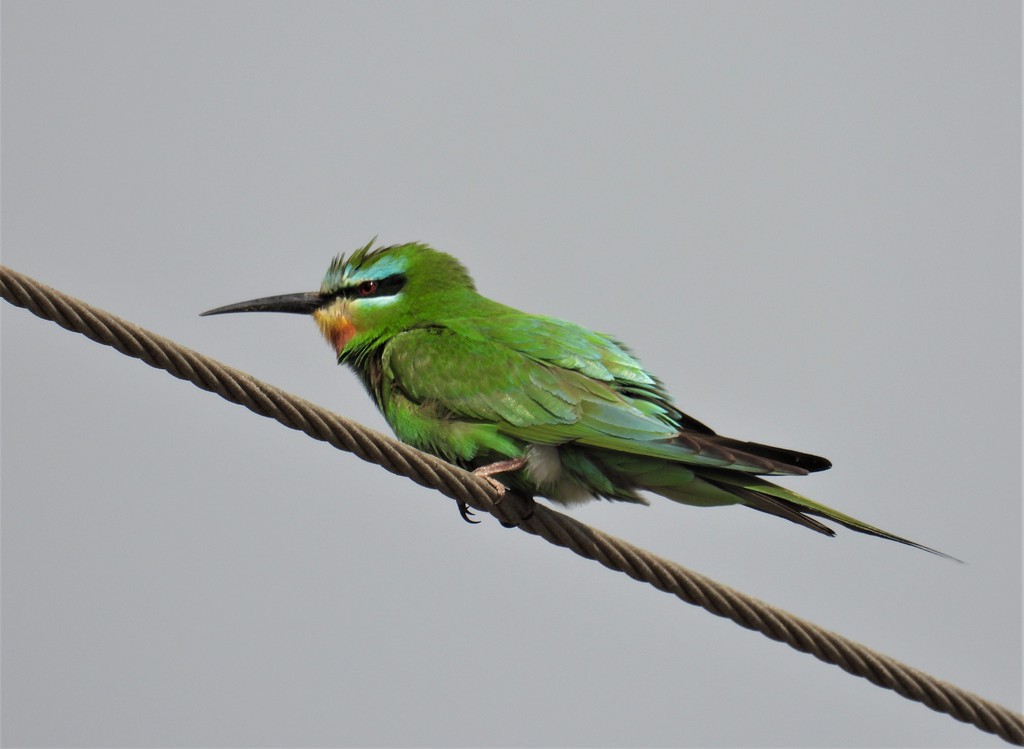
(373, 294)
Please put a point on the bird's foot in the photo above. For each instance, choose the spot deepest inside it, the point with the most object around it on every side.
(502, 466)
(486, 472)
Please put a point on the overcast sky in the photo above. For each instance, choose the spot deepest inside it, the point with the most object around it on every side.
(803, 217)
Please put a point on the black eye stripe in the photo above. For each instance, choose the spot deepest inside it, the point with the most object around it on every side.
(388, 286)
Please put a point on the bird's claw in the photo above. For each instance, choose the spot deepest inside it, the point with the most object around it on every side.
(521, 520)
(466, 513)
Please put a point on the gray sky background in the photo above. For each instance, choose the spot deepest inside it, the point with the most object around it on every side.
(804, 217)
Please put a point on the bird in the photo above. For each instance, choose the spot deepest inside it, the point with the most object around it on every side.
(552, 408)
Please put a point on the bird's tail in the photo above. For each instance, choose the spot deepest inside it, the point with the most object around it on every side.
(777, 500)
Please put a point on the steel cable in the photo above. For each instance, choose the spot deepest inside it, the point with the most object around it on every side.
(510, 509)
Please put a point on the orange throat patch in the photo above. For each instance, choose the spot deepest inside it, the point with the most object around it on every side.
(336, 327)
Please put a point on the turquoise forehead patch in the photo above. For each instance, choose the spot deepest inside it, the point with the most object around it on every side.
(341, 275)
(388, 265)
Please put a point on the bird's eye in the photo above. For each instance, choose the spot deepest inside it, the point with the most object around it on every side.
(373, 288)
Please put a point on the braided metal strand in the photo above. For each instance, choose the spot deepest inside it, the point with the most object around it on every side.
(556, 528)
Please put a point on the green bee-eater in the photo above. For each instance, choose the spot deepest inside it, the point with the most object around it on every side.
(555, 409)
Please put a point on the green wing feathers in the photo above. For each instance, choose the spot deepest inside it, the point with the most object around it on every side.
(548, 382)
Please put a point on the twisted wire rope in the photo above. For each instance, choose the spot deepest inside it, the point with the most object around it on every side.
(511, 509)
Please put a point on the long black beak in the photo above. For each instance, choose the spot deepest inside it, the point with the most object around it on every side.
(300, 304)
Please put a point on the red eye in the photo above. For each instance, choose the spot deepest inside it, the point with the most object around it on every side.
(367, 287)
